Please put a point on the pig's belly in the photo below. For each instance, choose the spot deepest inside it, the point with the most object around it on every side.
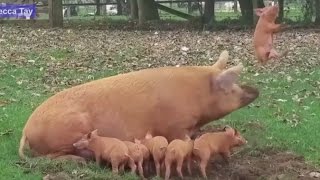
(268, 45)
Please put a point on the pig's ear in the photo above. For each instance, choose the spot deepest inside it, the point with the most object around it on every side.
(222, 61)
(236, 132)
(148, 135)
(187, 137)
(94, 132)
(258, 11)
(89, 135)
(226, 79)
(230, 131)
(226, 127)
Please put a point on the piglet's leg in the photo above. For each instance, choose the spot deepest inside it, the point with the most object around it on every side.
(115, 166)
(226, 156)
(121, 168)
(132, 165)
(203, 166)
(140, 169)
(204, 156)
(168, 168)
(179, 167)
(157, 164)
(189, 160)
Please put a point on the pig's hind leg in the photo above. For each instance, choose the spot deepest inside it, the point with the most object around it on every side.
(168, 162)
(115, 165)
(179, 166)
(132, 165)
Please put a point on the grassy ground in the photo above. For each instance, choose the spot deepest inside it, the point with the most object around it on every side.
(36, 63)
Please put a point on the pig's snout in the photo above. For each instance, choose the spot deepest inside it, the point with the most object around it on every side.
(250, 95)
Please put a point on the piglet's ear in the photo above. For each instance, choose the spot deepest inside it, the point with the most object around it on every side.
(230, 131)
(187, 137)
(89, 135)
(226, 79)
(94, 132)
(226, 127)
(258, 11)
(148, 135)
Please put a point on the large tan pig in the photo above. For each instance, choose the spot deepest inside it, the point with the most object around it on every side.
(169, 101)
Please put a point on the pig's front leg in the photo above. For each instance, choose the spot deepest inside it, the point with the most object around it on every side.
(226, 156)
(98, 158)
(275, 28)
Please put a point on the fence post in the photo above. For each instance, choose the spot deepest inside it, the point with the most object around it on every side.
(55, 13)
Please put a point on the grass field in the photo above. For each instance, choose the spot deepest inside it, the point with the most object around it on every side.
(36, 63)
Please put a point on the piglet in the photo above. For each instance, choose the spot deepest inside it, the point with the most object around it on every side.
(216, 143)
(146, 154)
(157, 146)
(177, 151)
(136, 153)
(105, 148)
(264, 32)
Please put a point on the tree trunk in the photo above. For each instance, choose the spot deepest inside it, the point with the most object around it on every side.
(73, 11)
(119, 7)
(98, 12)
(189, 7)
(246, 7)
(317, 7)
(208, 15)
(281, 7)
(147, 11)
(235, 6)
(134, 9)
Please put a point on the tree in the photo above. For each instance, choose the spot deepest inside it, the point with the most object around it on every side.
(317, 7)
(281, 7)
(147, 10)
(246, 7)
(134, 9)
(119, 7)
(208, 15)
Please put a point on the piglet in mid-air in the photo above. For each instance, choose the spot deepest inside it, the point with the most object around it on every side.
(109, 149)
(211, 144)
(177, 151)
(264, 34)
(157, 146)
